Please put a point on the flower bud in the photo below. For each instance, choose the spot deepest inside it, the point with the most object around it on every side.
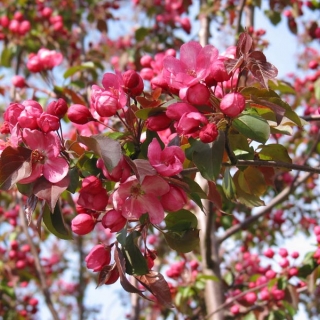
(57, 108)
(98, 257)
(18, 81)
(14, 26)
(48, 122)
(158, 122)
(24, 27)
(4, 21)
(82, 224)
(132, 83)
(198, 94)
(232, 104)
(145, 61)
(208, 133)
(79, 114)
(113, 220)
(175, 199)
(13, 112)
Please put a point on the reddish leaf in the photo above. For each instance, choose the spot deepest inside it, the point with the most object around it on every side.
(213, 195)
(269, 175)
(121, 265)
(30, 207)
(157, 285)
(105, 274)
(232, 64)
(141, 168)
(14, 166)
(74, 97)
(50, 192)
(106, 148)
(244, 44)
(262, 70)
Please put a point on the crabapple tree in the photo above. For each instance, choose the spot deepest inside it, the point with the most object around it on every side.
(159, 155)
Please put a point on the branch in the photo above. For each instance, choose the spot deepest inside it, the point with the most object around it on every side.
(261, 163)
(275, 201)
(235, 298)
(311, 118)
(37, 263)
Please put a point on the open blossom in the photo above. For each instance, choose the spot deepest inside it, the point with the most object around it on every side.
(193, 66)
(167, 162)
(44, 60)
(45, 156)
(107, 100)
(135, 199)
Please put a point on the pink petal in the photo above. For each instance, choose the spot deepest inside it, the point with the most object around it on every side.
(176, 110)
(34, 139)
(189, 52)
(153, 207)
(35, 174)
(110, 80)
(133, 208)
(154, 152)
(55, 169)
(204, 60)
(154, 185)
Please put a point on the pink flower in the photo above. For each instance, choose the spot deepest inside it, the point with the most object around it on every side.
(82, 224)
(135, 199)
(30, 114)
(167, 162)
(92, 194)
(49, 58)
(120, 172)
(232, 104)
(190, 123)
(193, 66)
(45, 156)
(13, 112)
(18, 81)
(98, 257)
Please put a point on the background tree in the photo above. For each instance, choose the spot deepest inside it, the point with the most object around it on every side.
(154, 152)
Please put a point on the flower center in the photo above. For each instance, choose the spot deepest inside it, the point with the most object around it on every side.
(136, 191)
(192, 73)
(37, 157)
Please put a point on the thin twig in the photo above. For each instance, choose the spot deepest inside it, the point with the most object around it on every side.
(262, 163)
(37, 263)
(275, 201)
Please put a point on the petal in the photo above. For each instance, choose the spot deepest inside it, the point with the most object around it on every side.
(189, 52)
(55, 169)
(204, 60)
(35, 174)
(110, 80)
(153, 207)
(154, 185)
(34, 139)
(133, 208)
(154, 152)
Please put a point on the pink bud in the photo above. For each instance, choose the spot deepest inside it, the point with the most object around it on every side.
(98, 257)
(132, 83)
(270, 274)
(24, 27)
(146, 61)
(146, 74)
(79, 114)
(82, 224)
(250, 297)
(283, 252)
(48, 122)
(232, 104)
(46, 12)
(295, 254)
(14, 26)
(4, 21)
(293, 272)
(284, 263)
(198, 94)
(18, 81)
(316, 230)
(158, 122)
(235, 309)
(208, 133)
(175, 199)
(185, 24)
(113, 220)
(57, 108)
(18, 16)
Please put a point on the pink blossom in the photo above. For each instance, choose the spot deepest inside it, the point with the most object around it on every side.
(13, 112)
(18, 81)
(190, 123)
(167, 162)
(45, 156)
(135, 199)
(98, 257)
(49, 58)
(193, 66)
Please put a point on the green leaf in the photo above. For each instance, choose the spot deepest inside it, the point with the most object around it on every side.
(228, 186)
(282, 283)
(54, 222)
(6, 57)
(181, 220)
(250, 316)
(145, 113)
(208, 156)
(240, 146)
(74, 180)
(282, 86)
(274, 16)
(251, 181)
(135, 261)
(317, 89)
(183, 242)
(253, 127)
(107, 149)
(84, 66)
(276, 152)
(141, 33)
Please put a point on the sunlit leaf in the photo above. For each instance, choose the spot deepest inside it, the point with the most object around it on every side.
(183, 242)
(181, 220)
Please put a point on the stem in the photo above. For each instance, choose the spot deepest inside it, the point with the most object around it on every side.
(82, 285)
(240, 12)
(135, 302)
(262, 163)
(41, 275)
(275, 201)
